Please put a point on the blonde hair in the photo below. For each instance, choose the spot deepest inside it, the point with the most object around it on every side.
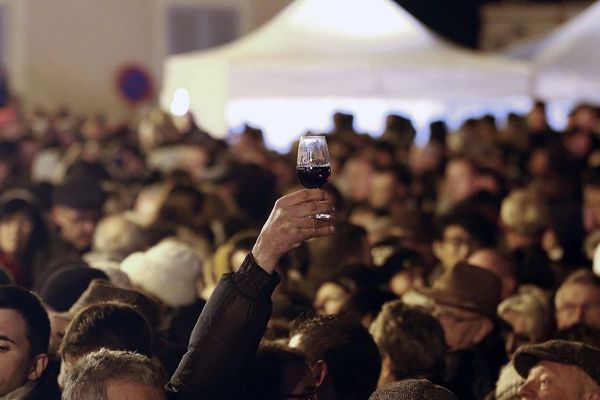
(533, 303)
(525, 212)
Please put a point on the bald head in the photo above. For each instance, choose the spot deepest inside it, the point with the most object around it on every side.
(495, 262)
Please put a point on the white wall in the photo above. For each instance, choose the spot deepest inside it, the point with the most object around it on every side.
(73, 50)
(67, 52)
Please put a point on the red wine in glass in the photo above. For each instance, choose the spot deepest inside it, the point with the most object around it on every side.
(313, 177)
(314, 165)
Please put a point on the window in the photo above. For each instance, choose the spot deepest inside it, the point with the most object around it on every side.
(197, 28)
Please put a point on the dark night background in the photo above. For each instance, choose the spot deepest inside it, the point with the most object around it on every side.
(457, 20)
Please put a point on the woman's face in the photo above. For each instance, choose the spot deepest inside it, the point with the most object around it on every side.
(330, 298)
(15, 232)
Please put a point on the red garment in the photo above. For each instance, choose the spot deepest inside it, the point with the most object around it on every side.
(16, 270)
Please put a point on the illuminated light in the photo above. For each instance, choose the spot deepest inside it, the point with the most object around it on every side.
(284, 119)
(181, 103)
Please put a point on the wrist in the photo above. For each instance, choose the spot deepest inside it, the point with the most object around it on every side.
(265, 261)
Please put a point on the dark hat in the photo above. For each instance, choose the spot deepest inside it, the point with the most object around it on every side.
(64, 286)
(81, 194)
(559, 351)
(469, 287)
(100, 291)
(412, 389)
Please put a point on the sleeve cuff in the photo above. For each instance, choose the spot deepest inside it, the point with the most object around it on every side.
(254, 281)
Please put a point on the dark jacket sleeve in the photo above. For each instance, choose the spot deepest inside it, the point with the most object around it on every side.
(226, 335)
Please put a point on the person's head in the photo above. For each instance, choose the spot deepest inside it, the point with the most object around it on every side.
(9, 156)
(342, 355)
(278, 373)
(24, 336)
(580, 333)
(465, 299)
(183, 205)
(21, 225)
(229, 256)
(577, 300)
(118, 236)
(333, 293)
(168, 271)
(528, 314)
(402, 270)
(559, 370)
(411, 343)
(388, 186)
(77, 207)
(584, 117)
(114, 326)
(459, 233)
(348, 245)
(591, 199)
(413, 389)
(524, 214)
(537, 119)
(114, 375)
(64, 286)
(460, 179)
(495, 262)
(365, 305)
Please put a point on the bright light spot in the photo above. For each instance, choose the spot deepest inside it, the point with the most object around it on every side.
(284, 120)
(181, 103)
(558, 113)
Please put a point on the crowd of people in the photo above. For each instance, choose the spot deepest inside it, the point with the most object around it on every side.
(149, 260)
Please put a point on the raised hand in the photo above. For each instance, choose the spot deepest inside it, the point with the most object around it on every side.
(291, 222)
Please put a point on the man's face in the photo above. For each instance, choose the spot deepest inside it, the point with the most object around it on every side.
(383, 189)
(124, 390)
(577, 303)
(15, 360)
(551, 381)
(462, 328)
(460, 180)
(76, 226)
(456, 245)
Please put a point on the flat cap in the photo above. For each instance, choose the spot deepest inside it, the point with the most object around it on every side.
(412, 389)
(559, 351)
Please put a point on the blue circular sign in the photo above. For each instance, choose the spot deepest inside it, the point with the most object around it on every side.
(135, 84)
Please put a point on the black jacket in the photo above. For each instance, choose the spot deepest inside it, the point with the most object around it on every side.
(226, 336)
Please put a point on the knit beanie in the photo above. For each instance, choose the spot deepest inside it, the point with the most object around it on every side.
(64, 286)
(168, 271)
(412, 389)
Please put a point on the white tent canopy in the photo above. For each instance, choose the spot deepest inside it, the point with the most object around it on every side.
(324, 53)
(568, 62)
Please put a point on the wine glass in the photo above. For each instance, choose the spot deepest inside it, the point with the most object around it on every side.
(314, 165)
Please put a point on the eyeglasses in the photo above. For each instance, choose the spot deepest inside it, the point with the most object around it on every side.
(569, 308)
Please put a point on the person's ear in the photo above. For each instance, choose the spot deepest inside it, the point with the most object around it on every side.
(38, 365)
(592, 396)
(319, 370)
